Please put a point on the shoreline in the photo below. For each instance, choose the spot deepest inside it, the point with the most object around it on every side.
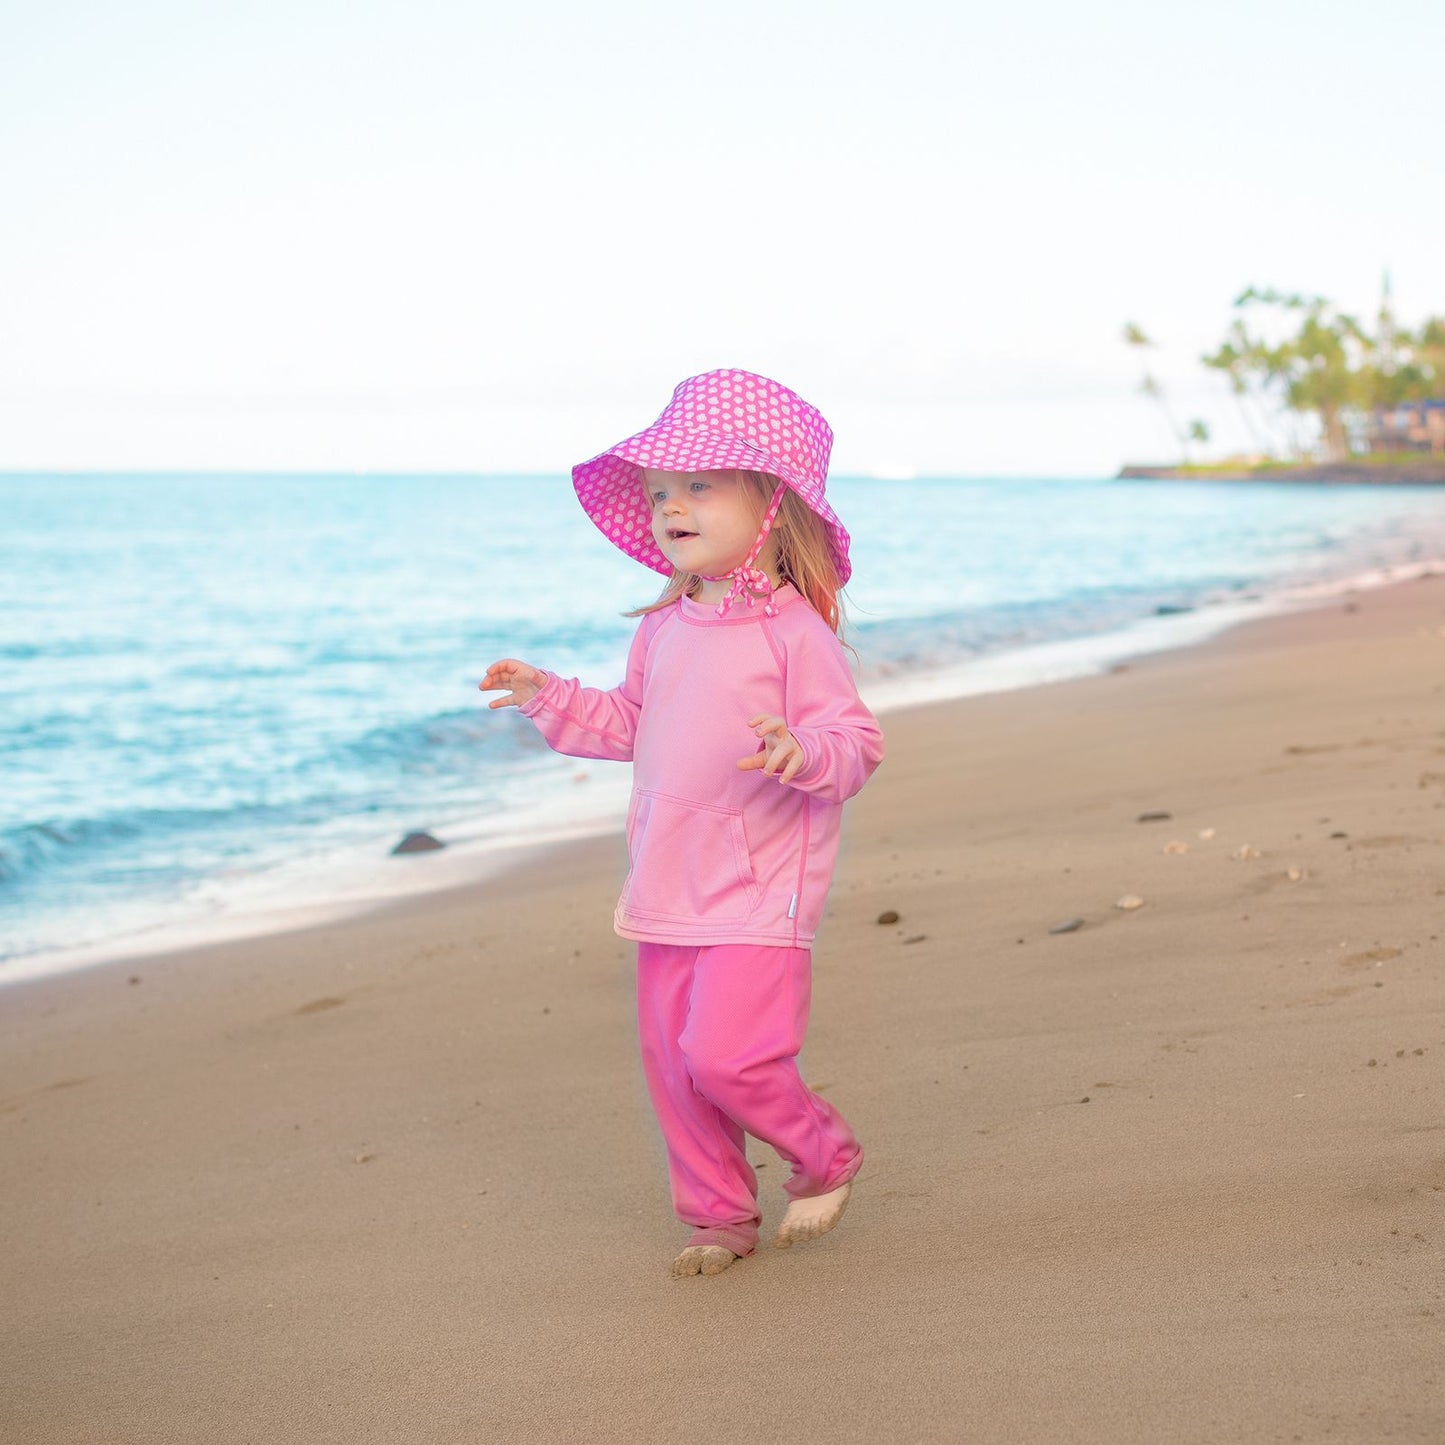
(1171, 1175)
(370, 879)
(1428, 471)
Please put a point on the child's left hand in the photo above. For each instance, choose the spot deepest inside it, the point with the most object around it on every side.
(783, 755)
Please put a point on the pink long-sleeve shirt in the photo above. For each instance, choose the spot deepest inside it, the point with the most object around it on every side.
(719, 854)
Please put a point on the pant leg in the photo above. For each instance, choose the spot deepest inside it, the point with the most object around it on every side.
(714, 1188)
(745, 1029)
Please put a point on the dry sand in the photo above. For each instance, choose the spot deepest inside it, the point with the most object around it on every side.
(1178, 1175)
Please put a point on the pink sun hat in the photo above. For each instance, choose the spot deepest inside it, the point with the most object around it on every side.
(719, 420)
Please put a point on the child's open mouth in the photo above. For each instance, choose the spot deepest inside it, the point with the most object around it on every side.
(675, 535)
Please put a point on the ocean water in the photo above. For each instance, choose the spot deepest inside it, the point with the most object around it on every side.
(224, 693)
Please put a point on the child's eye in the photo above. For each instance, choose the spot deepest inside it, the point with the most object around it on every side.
(698, 487)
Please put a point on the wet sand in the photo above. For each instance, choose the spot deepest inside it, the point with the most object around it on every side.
(1178, 1174)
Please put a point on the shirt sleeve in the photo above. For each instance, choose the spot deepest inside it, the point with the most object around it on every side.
(586, 722)
(841, 740)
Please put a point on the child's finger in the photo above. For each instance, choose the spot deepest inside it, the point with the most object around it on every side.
(753, 760)
(777, 761)
(507, 668)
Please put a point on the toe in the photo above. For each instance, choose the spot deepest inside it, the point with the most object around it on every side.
(714, 1261)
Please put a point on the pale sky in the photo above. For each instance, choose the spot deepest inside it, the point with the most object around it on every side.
(462, 236)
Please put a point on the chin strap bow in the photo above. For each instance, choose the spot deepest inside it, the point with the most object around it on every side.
(750, 582)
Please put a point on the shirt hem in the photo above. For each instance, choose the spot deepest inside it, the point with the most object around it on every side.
(698, 937)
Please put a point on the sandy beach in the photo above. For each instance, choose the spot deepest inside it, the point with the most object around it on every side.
(1175, 1175)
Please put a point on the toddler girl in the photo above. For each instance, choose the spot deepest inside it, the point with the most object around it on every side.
(746, 734)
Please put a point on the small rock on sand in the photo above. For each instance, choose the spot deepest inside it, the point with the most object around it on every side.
(1206, 833)
(1155, 817)
(1068, 926)
(1130, 901)
(1244, 852)
(888, 916)
(417, 843)
(1175, 846)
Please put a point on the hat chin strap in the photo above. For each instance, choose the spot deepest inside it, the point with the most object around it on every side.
(750, 582)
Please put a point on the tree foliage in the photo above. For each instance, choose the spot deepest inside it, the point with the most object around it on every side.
(1314, 360)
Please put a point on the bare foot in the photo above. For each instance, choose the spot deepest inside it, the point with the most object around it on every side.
(808, 1218)
(703, 1259)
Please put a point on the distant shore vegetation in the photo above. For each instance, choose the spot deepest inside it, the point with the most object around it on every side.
(1316, 386)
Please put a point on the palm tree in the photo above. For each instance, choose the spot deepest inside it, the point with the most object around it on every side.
(1234, 359)
(1322, 369)
(1135, 337)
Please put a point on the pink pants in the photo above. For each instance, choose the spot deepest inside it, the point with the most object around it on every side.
(720, 1029)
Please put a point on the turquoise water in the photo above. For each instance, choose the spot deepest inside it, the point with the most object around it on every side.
(206, 678)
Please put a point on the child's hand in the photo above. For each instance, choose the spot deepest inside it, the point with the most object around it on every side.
(521, 681)
(784, 754)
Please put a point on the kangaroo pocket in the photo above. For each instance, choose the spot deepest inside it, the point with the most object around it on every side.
(689, 860)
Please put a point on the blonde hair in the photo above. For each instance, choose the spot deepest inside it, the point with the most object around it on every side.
(804, 557)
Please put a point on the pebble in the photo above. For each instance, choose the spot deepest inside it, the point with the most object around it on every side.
(888, 916)
(1244, 852)
(1175, 846)
(1206, 833)
(417, 843)
(1070, 926)
(1295, 874)
(1157, 817)
(1130, 900)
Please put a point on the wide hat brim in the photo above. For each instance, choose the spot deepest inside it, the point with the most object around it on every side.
(609, 486)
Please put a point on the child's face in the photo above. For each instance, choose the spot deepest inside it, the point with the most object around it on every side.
(704, 522)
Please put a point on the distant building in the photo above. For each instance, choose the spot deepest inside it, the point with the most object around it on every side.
(1412, 426)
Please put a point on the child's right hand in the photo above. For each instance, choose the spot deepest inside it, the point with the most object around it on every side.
(521, 681)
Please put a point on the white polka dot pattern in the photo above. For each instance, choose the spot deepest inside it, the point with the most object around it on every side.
(721, 419)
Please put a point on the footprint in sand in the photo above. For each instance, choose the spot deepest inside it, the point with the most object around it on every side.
(1369, 956)
(318, 1005)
